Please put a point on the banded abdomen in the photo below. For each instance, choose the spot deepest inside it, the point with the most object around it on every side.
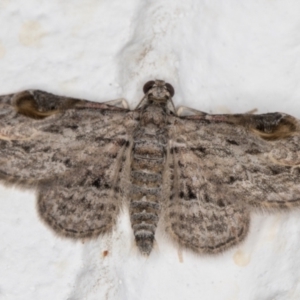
(148, 160)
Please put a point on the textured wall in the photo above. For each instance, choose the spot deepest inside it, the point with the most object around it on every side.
(220, 56)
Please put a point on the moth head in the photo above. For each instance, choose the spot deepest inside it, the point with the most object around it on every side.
(158, 90)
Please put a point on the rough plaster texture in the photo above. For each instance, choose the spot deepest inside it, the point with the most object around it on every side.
(221, 56)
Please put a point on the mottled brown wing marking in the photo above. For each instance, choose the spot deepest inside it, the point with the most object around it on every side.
(26, 104)
(79, 212)
(232, 153)
(199, 216)
(203, 173)
(271, 126)
(38, 104)
(75, 152)
(207, 228)
(86, 202)
(42, 136)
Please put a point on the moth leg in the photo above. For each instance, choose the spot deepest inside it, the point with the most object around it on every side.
(120, 102)
(184, 111)
(252, 111)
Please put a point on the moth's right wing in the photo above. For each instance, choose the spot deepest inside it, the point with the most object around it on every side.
(44, 136)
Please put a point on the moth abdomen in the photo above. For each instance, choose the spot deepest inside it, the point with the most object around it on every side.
(144, 207)
(144, 219)
(147, 166)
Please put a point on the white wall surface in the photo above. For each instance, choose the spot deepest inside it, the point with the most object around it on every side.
(221, 56)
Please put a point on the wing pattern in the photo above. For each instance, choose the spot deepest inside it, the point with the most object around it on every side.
(200, 176)
(73, 152)
(224, 166)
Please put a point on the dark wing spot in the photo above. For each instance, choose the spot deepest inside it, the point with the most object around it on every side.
(252, 151)
(67, 162)
(97, 183)
(26, 148)
(206, 198)
(180, 164)
(275, 170)
(117, 189)
(74, 127)
(232, 142)
(112, 155)
(221, 203)
(53, 129)
(191, 194)
(111, 207)
(199, 149)
(231, 179)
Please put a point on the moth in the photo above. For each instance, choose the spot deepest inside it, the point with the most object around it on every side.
(196, 175)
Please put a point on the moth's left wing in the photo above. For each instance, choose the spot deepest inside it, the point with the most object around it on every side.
(43, 136)
(254, 159)
(222, 166)
(198, 213)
